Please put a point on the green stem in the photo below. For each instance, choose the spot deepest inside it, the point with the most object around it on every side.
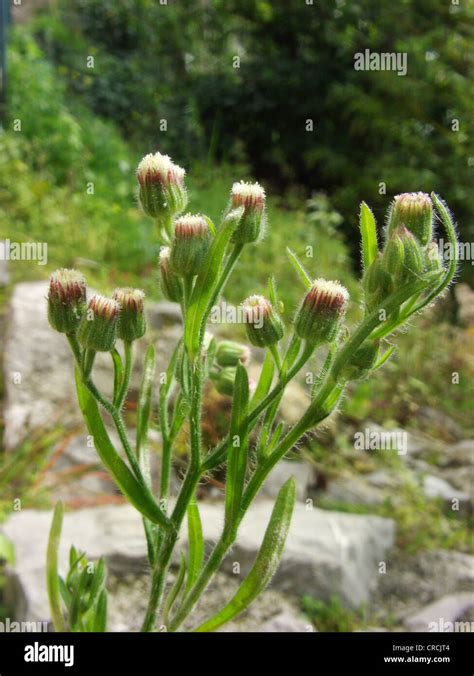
(212, 565)
(128, 349)
(217, 455)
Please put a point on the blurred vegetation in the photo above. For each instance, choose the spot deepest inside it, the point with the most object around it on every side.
(177, 62)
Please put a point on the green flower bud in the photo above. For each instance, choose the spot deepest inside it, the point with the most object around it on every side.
(394, 254)
(414, 210)
(162, 193)
(230, 353)
(377, 283)
(132, 323)
(191, 242)
(224, 381)
(433, 260)
(319, 316)
(263, 325)
(413, 264)
(171, 283)
(98, 327)
(66, 300)
(251, 226)
(362, 361)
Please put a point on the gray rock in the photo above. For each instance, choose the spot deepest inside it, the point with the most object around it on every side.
(354, 490)
(286, 621)
(459, 454)
(4, 276)
(438, 424)
(412, 581)
(38, 365)
(301, 472)
(434, 487)
(461, 478)
(327, 553)
(443, 614)
(465, 298)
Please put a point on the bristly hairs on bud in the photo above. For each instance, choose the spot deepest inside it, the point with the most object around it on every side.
(319, 316)
(262, 323)
(66, 300)
(250, 196)
(191, 242)
(98, 327)
(162, 193)
(132, 323)
(170, 281)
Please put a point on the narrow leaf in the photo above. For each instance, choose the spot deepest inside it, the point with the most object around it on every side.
(237, 449)
(266, 563)
(368, 233)
(118, 373)
(195, 544)
(299, 267)
(136, 493)
(265, 380)
(175, 590)
(52, 576)
(144, 403)
(206, 281)
(385, 357)
(100, 619)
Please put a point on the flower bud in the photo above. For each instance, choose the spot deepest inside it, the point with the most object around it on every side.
(320, 314)
(230, 353)
(433, 260)
(66, 300)
(377, 283)
(191, 242)
(98, 327)
(132, 323)
(162, 191)
(414, 210)
(413, 265)
(362, 360)
(171, 283)
(394, 254)
(224, 380)
(251, 225)
(263, 325)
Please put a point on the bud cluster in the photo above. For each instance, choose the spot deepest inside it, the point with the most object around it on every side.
(409, 252)
(98, 323)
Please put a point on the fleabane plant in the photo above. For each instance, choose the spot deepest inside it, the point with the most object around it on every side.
(402, 274)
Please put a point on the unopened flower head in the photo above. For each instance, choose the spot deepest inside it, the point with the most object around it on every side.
(191, 242)
(263, 324)
(162, 191)
(251, 197)
(98, 327)
(170, 281)
(224, 380)
(413, 263)
(414, 210)
(66, 300)
(132, 323)
(230, 353)
(321, 311)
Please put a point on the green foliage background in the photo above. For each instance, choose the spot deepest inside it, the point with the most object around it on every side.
(175, 62)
